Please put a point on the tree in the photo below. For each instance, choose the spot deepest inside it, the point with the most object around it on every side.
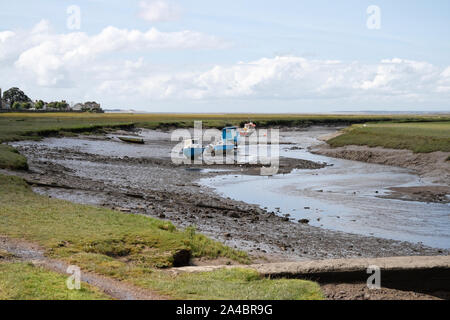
(52, 105)
(16, 105)
(15, 95)
(26, 105)
(63, 105)
(39, 105)
(58, 105)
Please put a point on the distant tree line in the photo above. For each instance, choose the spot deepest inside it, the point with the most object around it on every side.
(16, 99)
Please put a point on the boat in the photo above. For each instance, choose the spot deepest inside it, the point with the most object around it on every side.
(132, 140)
(222, 147)
(248, 129)
(192, 148)
(230, 135)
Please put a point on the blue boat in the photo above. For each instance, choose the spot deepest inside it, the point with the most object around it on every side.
(230, 134)
(192, 148)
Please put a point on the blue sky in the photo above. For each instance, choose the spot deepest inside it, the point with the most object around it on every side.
(231, 56)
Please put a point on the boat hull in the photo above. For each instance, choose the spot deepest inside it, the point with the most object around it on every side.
(132, 140)
(225, 148)
(193, 153)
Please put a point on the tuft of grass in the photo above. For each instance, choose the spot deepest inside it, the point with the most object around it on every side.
(23, 281)
(232, 284)
(10, 158)
(419, 137)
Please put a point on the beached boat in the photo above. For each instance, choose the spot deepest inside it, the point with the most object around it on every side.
(248, 129)
(223, 147)
(230, 135)
(132, 140)
(192, 148)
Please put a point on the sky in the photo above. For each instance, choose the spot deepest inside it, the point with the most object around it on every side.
(292, 56)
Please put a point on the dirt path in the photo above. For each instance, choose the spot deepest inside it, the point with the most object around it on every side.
(30, 252)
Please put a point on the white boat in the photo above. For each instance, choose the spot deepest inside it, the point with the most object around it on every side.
(192, 148)
(248, 129)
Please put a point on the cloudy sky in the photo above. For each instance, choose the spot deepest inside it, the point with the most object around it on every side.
(230, 56)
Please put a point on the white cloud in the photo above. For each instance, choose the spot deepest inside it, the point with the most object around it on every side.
(51, 57)
(99, 67)
(291, 78)
(159, 11)
(444, 81)
(5, 35)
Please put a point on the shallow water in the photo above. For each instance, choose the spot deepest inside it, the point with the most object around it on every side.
(342, 197)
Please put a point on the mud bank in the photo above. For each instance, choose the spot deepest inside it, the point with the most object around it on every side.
(432, 167)
(142, 180)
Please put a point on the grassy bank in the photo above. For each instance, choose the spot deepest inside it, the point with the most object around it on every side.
(415, 136)
(20, 126)
(11, 159)
(23, 281)
(132, 248)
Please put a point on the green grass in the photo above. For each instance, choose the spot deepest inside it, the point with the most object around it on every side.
(20, 126)
(11, 159)
(70, 230)
(233, 284)
(130, 248)
(23, 281)
(419, 137)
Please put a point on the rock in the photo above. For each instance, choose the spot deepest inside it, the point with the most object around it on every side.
(234, 215)
(306, 208)
(304, 221)
(162, 215)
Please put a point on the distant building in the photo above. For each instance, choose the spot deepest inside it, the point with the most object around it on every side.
(78, 107)
(90, 106)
